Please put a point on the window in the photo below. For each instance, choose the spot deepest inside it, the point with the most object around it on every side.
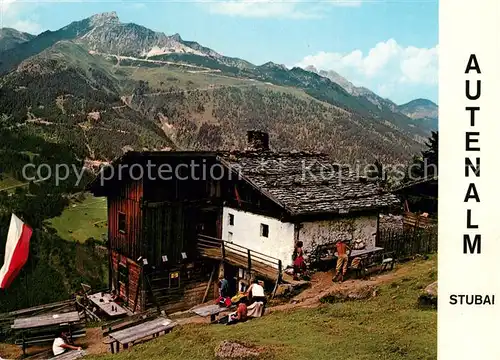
(174, 280)
(231, 219)
(123, 273)
(264, 230)
(122, 222)
(229, 236)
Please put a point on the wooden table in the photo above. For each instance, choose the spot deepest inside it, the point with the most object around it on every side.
(130, 335)
(212, 310)
(363, 252)
(105, 303)
(25, 324)
(46, 320)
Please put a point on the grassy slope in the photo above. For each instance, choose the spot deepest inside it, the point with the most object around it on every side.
(387, 327)
(82, 220)
(164, 77)
(7, 182)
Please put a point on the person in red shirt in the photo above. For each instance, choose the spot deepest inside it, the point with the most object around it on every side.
(241, 313)
(342, 259)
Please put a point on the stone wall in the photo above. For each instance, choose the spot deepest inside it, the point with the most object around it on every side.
(317, 233)
(391, 222)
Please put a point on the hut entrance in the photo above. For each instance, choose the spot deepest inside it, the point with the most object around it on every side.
(208, 222)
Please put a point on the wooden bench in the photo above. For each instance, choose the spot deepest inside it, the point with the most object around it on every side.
(139, 333)
(124, 324)
(209, 310)
(383, 260)
(69, 355)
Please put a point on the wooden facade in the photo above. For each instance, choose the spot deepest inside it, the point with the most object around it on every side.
(153, 224)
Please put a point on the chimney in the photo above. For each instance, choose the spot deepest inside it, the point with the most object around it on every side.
(257, 140)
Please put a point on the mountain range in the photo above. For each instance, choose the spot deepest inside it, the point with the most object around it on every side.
(10, 38)
(105, 87)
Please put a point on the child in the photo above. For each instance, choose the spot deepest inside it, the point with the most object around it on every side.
(342, 260)
(241, 313)
(299, 264)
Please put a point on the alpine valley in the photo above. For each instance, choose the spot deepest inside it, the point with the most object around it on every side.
(102, 87)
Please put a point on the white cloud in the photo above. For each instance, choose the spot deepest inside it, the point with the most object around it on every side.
(28, 26)
(385, 67)
(274, 8)
(13, 14)
(6, 7)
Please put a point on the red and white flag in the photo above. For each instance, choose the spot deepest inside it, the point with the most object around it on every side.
(17, 250)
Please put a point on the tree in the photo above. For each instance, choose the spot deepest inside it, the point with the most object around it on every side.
(426, 165)
(377, 172)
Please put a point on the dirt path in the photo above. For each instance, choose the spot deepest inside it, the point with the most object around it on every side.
(322, 285)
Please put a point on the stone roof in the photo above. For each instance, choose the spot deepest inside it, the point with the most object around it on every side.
(308, 183)
(430, 180)
(302, 183)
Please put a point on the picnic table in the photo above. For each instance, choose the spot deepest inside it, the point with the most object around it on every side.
(212, 310)
(138, 332)
(32, 332)
(105, 302)
(46, 320)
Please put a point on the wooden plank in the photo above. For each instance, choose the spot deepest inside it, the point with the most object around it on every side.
(46, 320)
(362, 252)
(40, 307)
(209, 284)
(70, 355)
(208, 310)
(241, 259)
(143, 330)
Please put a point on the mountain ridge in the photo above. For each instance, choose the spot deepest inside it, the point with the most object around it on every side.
(423, 110)
(10, 38)
(156, 91)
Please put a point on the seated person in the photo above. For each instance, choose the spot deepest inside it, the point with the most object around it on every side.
(255, 310)
(61, 344)
(241, 313)
(256, 292)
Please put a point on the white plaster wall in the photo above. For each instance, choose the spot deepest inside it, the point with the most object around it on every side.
(246, 232)
(326, 231)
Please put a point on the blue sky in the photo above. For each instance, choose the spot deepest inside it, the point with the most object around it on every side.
(391, 47)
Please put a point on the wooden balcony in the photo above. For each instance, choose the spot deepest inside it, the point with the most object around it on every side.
(240, 256)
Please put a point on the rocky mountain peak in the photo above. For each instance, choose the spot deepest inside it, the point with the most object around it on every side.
(104, 18)
(176, 37)
(311, 68)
